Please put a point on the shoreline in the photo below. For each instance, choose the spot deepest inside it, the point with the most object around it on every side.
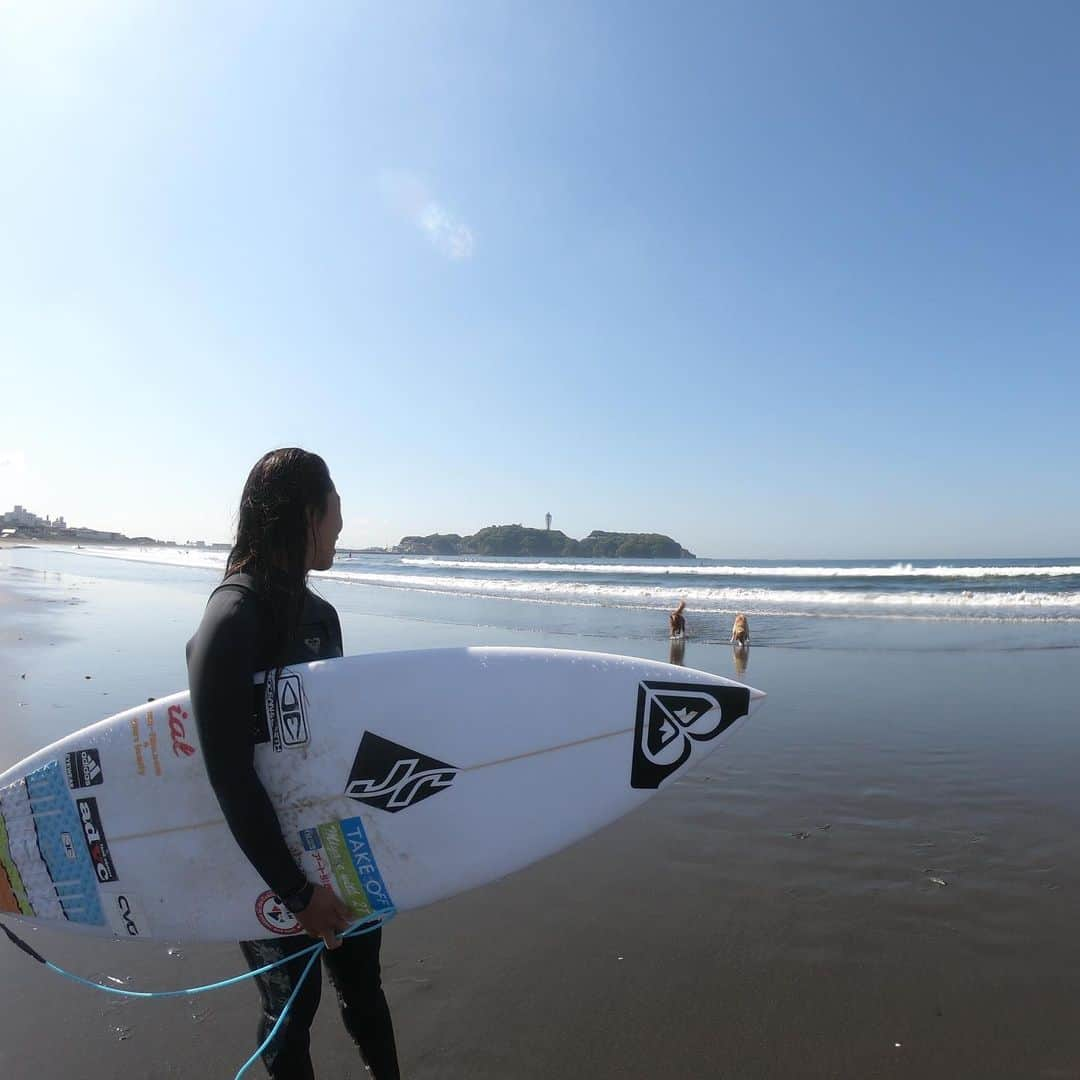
(1043, 600)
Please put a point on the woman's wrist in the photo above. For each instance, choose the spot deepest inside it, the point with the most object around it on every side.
(298, 900)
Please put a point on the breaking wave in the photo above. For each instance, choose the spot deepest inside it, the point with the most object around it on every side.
(896, 570)
(752, 600)
(1046, 591)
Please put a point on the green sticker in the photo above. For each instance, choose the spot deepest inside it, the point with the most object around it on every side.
(8, 867)
(337, 852)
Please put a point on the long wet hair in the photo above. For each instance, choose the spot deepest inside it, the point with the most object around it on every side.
(285, 491)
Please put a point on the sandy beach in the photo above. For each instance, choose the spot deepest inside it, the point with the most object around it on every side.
(877, 878)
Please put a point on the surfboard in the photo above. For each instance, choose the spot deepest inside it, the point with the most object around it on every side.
(399, 779)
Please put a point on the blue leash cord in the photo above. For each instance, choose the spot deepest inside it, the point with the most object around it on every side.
(362, 926)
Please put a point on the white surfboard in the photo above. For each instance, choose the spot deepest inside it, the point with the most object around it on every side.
(399, 779)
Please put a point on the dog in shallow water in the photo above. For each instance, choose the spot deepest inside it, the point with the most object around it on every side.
(740, 630)
(677, 621)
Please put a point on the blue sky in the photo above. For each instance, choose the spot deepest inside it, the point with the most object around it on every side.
(777, 279)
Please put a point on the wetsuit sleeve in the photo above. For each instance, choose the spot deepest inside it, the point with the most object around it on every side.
(221, 662)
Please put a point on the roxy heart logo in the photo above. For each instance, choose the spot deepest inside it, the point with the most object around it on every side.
(391, 776)
(672, 718)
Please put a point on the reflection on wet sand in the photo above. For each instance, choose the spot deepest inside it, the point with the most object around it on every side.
(677, 652)
(741, 655)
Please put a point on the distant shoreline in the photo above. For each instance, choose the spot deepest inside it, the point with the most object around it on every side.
(495, 540)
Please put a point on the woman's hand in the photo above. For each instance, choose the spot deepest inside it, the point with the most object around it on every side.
(325, 916)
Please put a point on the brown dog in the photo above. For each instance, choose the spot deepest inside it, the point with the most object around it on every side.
(678, 623)
(740, 630)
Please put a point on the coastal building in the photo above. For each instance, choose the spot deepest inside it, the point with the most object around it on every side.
(23, 522)
(94, 534)
(21, 518)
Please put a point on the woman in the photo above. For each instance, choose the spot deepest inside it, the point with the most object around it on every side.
(263, 616)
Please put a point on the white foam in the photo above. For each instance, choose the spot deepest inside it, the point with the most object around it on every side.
(203, 558)
(897, 570)
(575, 587)
(729, 599)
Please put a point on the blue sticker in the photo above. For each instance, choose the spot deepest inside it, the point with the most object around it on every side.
(364, 863)
(310, 839)
(63, 841)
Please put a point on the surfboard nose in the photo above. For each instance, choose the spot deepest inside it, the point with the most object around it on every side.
(756, 697)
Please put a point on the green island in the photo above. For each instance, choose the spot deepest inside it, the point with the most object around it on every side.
(520, 540)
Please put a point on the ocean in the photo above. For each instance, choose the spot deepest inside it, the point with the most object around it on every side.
(807, 603)
(1018, 590)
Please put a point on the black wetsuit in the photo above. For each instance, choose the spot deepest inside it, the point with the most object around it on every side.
(232, 643)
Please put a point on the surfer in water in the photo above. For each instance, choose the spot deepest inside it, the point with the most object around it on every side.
(263, 616)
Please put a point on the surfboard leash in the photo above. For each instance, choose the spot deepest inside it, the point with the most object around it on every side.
(362, 926)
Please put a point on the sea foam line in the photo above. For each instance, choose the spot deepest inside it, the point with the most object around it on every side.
(200, 558)
(208, 559)
(897, 570)
(732, 598)
(1021, 604)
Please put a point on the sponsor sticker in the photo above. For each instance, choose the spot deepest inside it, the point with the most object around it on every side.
(293, 722)
(96, 844)
(82, 768)
(13, 896)
(9, 902)
(364, 863)
(285, 713)
(125, 914)
(315, 857)
(60, 847)
(390, 776)
(274, 915)
(353, 865)
(672, 718)
(322, 869)
(178, 719)
(141, 745)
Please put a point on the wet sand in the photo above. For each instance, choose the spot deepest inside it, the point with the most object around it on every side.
(878, 877)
